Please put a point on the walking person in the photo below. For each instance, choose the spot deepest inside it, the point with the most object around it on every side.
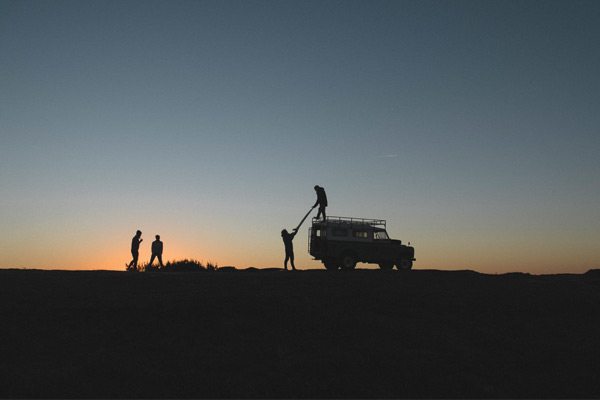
(157, 250)
(289, 247)
(321, 201)
(135, 251)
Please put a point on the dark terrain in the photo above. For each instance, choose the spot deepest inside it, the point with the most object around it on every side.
(365, 333)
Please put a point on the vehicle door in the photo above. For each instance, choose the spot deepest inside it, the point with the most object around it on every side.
(382, 246)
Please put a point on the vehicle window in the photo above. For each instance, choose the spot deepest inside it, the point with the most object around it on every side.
(380, 235)
(339, 232)
(320, 233)
(361, 234)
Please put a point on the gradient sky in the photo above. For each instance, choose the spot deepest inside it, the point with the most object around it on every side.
(473, 127)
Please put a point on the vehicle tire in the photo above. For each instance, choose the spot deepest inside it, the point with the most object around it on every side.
(386, 265)
(330, 265)
(348, 261)
(404, 265)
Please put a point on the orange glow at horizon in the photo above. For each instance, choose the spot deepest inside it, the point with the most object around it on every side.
(483, 256)
(246, 235)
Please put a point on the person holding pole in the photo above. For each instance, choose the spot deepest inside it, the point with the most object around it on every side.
(289, 247)
(321, 201)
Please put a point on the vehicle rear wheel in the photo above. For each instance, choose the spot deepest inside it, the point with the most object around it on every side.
(330, 265)
(348, 261)
(386, 265)
(404, 265)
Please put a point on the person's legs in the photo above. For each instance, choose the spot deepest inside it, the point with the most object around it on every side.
(287, 257)
(151, 260)
(322, 211)
(292, 261)
(134, 262)
(319, 212)
(159, 256)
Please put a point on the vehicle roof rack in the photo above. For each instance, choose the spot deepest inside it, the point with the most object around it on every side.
(350, 221)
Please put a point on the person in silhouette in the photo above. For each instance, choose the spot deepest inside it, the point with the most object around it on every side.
(289, 247)
(157, 249)
(321, 201)
(135, 251)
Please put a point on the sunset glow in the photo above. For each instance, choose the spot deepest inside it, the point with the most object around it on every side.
(474, 131)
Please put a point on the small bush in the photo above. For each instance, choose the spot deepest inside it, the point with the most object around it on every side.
(185, 265)
(145, 267)
(211, 267)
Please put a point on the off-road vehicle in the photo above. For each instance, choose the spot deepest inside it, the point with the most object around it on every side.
(341, 242)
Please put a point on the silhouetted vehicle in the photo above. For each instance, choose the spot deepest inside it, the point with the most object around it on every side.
(341, 242)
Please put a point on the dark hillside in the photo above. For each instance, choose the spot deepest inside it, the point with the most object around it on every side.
(305, 334)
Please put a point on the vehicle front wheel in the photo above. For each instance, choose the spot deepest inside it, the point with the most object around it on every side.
(348, 261)
(404, 265)
(386, 265)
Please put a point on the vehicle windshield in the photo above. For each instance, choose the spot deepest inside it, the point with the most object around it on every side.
(380, 235)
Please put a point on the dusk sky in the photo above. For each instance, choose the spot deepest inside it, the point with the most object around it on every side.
(472, 127)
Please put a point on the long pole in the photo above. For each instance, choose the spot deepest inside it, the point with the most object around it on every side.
(303, 219)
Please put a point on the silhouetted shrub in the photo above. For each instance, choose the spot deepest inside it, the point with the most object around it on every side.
(211, 267)
(145, 267)
(185, 265)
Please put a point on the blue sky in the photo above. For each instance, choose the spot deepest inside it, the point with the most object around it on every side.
(472, 127)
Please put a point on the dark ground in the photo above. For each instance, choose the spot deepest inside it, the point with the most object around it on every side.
(251, 333)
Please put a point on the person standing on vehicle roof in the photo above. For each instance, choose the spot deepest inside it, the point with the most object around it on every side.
(289, 247)
(135, 251)
(321, 201)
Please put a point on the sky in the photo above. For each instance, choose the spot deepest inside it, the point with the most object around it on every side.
(472, 127)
